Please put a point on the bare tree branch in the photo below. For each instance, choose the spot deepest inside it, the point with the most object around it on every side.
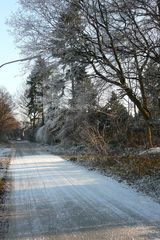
(19, 60)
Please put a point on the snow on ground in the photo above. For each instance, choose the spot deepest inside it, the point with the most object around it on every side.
(5, 152)
(61, 150)
(55, 199)
(149, 185)
(155, 150)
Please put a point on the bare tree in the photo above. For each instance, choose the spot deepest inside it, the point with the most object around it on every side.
(118, 43)
(7, 120)
(18, 60)
(33, 25)
(117, 39)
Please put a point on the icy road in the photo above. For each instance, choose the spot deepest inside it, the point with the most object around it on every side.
(52, 198)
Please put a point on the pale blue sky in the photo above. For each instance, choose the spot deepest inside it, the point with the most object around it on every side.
(11, 76)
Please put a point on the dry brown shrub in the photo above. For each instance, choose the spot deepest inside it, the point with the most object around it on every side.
(95, 138)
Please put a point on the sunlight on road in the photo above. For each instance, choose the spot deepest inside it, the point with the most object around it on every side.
(54, 199)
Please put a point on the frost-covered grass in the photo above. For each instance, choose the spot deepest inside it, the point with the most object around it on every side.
(64, 150)
(5, 183)
(150, 151)
(5, 156)
(140, 171)
(5, 151)
(130, 167)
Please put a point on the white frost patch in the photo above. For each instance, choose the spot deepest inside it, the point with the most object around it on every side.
(53, 196)
(61, 149)
(155, 150)
(52, 174)
(41, 135)
(5, 152)
(44, 133)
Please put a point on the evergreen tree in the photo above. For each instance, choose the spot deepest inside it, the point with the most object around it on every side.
(69, 25)
(115, 106)
(152, 87)
(83, 93)
(35, 94)
(54, 96)
(118, 120)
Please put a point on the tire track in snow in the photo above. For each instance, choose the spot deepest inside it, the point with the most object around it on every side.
(55, 199)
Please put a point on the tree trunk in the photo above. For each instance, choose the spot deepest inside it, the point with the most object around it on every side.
(149, 135)
(42, 118)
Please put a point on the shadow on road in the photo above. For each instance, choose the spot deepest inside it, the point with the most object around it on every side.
(56, 200)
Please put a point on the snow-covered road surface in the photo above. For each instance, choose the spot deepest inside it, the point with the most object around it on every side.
(54, 199)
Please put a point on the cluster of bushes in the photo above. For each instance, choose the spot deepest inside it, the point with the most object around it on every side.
(101, 130)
